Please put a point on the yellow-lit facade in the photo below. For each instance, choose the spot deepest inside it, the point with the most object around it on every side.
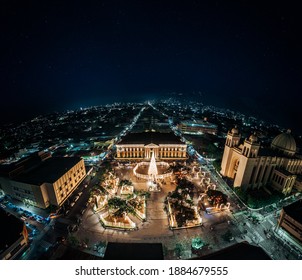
(245, 164)
(60, 190)
(161, 151)
(45, 194)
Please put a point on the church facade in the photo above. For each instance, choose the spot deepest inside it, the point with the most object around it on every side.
(251, 166)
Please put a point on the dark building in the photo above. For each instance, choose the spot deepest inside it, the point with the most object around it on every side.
(151, 137)
(197, 127)
(14, 237)
(134, 251)
(291, 219)
(239, 251)
(63, 252)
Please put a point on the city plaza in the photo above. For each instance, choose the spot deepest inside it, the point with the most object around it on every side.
(159, 178)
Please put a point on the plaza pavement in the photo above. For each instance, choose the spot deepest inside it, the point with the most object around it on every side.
(156, 228)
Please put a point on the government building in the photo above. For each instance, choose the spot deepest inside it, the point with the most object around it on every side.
(41, 180)
(141, 146)
(251, 166)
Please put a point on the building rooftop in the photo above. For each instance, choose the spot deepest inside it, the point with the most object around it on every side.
(12, 228)
(22, 164)
(48, 171)
(239, 251)
(151, 137)
(199, 123)
(64, 252)
(269, 152)
(299, 177)
(284, 171)
(285, 142)
(294, 210)
(134, 251)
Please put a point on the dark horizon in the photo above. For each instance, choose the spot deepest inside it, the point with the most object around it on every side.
(240, 55)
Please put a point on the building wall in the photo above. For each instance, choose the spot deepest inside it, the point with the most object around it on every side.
(161, 151)
(28, 193)
(225, 162)
(228, 154)
(290, 225)
(17, 247)
(298, 184)
(47, 193)
(41, 196)
(130, 151)
(60, 190)
(244, 171)
(257, 172)
(283, 182)
(293, 165)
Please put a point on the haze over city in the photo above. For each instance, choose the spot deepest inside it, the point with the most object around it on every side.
(241, 55)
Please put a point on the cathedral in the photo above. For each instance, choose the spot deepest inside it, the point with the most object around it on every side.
(251, 166)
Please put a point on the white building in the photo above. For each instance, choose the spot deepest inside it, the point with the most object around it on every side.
(252, 166)
(141, 146)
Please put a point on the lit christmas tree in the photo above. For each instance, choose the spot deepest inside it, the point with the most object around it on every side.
(152, 172)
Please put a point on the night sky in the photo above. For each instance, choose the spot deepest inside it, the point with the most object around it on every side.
(58, 55)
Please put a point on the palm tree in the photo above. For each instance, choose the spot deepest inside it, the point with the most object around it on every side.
(121, 207)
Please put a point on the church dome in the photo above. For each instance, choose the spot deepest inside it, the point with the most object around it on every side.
(285, 142)
(253, 138)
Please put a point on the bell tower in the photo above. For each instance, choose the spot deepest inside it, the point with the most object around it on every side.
(232, 141)
(251, 146)
(247, 168)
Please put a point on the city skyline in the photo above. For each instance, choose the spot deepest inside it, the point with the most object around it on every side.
(141, 170)
(232, 55)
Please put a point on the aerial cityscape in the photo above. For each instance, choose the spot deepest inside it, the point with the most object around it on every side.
(156, 131)
(197, 181)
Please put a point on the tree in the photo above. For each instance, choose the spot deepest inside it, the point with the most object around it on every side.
(197, 243)
(227, 236)
(142, 193)
(86, 240)
(217, 164)
(73, 241)
(216, 197)
(125, 182)
(121, 207)
(178, 249)
(116, 202)
(176, 195)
